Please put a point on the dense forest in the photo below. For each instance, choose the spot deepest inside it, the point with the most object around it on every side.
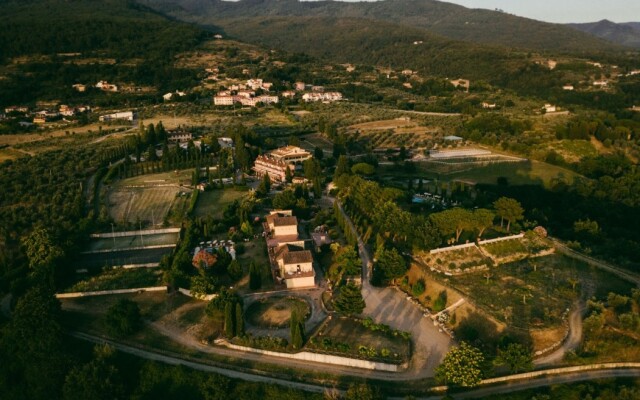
(117, 28)
(449, 20)
(86, 41)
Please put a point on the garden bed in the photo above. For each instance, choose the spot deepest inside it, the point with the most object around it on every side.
(361, 339)
(118, 278)
(457, 261)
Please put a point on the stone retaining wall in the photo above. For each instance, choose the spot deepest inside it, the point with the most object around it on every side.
(451, 248)
(106, 292)
(320, 358)
(134, 233)
(501, 239)
(187, 292)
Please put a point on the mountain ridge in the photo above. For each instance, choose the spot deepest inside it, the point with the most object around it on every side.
(625, 34)
(444, 19)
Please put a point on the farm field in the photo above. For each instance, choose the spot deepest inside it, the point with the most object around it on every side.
(534, 294)
(213, 202)
(150, 199)
(393, 133)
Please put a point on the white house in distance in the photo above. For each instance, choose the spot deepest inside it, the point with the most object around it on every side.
(324, 97)
(291, 264)
(550, 108)
(119, 116)
(601, 83)
(106, 86)
(568, 87)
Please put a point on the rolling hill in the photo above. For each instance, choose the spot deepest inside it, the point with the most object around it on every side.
(445, 19)
(625, 34)
(121, 28)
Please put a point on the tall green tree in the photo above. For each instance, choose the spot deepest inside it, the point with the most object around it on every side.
(229, 320)
(482, 219)
(389, 265)
(349, 301)
(296, 326)
(515, 356)
(288, 176)
(265, 186)
(123, 318)
(42, 250)
(509, 209)
(32, 342)
(255, 278)
(342, 167)
(453, 221)
(461, 366)
(98, 379)
(239, 320)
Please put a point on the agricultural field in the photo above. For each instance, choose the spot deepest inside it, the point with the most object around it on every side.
(393, 133)
(213, 202)
(150, 199)
(534, 294)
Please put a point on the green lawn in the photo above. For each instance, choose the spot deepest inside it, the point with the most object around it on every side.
(524, 173)
(213, 202)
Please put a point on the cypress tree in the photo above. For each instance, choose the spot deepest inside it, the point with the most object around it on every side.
(255, 279)
(239, 320)
(229, 325)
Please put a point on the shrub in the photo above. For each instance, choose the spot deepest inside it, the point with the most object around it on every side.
(418, 288)
(123, 318)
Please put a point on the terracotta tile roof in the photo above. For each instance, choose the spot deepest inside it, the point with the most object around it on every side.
(204, 258)
(285, 221)
(298, 257)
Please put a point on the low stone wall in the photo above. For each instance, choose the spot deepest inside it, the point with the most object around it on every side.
(187, 292)
(106, 292)
(451, 248)
(134, 266)
(557, 371)
(320, 358)
(549, 372)
(501, 239)
(134, 233)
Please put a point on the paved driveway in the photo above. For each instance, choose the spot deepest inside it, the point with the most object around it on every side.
(391, 307)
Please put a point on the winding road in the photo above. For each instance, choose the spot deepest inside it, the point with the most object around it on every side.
(511, 385)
